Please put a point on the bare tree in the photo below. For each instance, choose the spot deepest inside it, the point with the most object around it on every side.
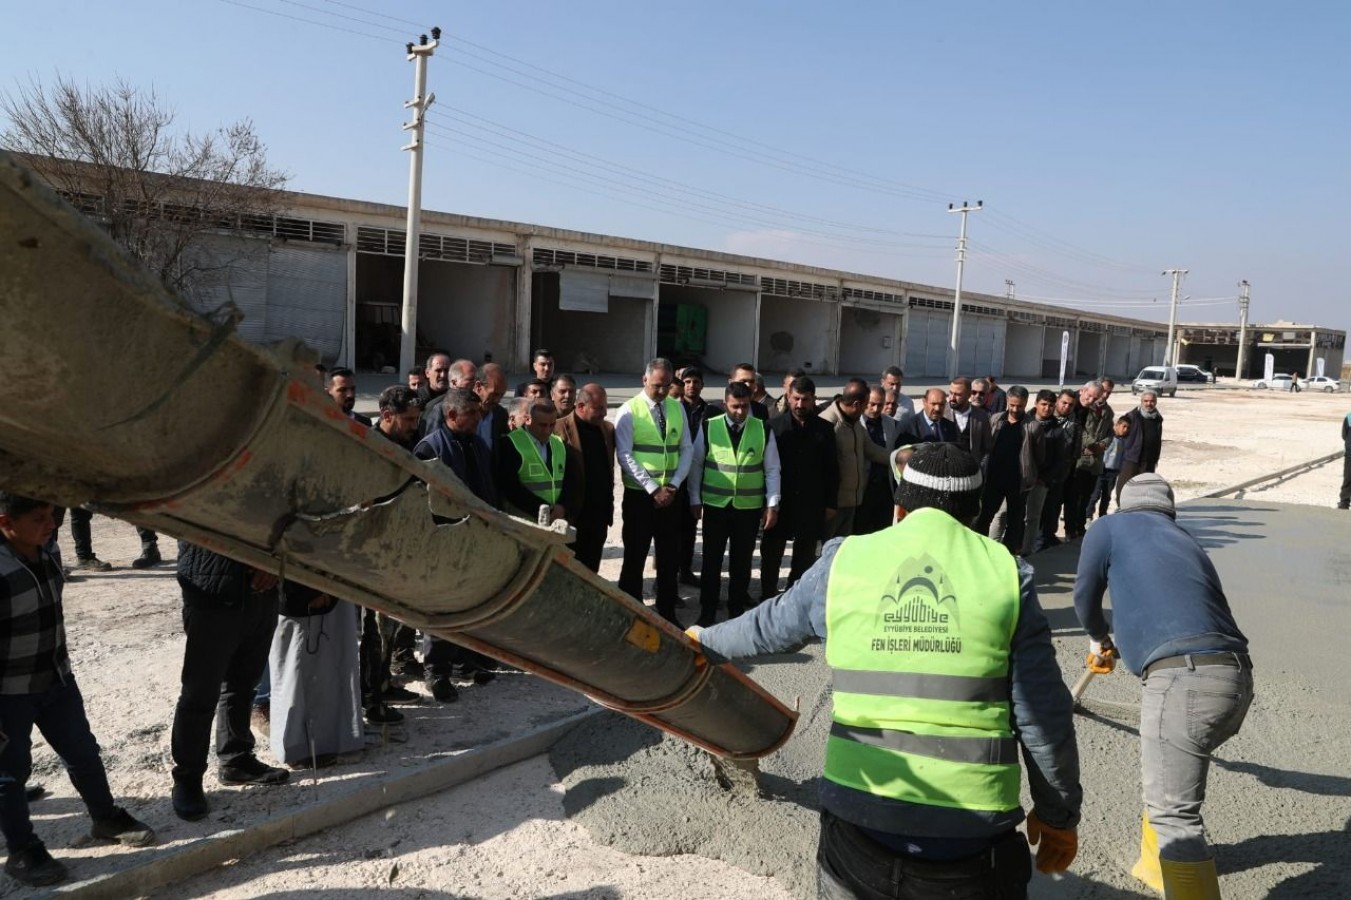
(113, 152)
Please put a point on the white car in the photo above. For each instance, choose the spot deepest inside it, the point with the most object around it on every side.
(1159, 379)
(1320, 383)
(1278, 382)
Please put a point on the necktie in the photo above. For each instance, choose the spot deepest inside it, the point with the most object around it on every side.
(660, 415)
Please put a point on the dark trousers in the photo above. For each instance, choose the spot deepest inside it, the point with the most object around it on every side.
(82, 535)
(645, 525)
(444, 659)
(377, 655)
(724, 526)
(1077, 491)
(803, 528)
(590, 543)
(689, 529)
(878, 508)
(850, 864)
(1009, 492)
(58, 713)
(1344, 499)
(225, 655)
(1128, 471)
(1102, 493)
(1050, 514)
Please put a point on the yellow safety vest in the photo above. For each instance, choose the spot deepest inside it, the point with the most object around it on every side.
(734, 476)
(919, 619)
(545, 482)
(659, 457)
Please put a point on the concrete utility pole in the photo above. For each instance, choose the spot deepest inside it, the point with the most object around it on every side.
(954, 342)
(1168, 351)
(1243, 300)
(418, 54)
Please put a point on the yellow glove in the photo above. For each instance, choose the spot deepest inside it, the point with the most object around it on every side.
(1058, 847)
(1102, 656)
(693, 633)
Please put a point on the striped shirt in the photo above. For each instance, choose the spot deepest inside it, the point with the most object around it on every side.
(32, 627)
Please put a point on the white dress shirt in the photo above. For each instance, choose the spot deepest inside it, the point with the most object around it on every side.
(624, 447)
(773, 470)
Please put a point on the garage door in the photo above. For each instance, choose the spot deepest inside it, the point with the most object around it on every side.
(926, 344)
(307, 297)
(234, 272)
(982, 346)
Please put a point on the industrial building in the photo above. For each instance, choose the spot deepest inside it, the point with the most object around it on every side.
(1294, 348)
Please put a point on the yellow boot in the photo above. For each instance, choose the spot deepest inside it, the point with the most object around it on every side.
(1190, 880)
(1147, 868)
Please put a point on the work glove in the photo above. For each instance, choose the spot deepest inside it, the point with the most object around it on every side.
(1058, 847)
(1102, 656)
(693, 632)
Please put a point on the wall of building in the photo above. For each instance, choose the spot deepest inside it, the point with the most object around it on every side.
(982, 346)
(1050, 353)
(732, 318)
(795, 333)
(927, 333)
(1022, 350)
(1089, 357)
(466, 310)
(617, 341)
(1118, 355)
(870, 341)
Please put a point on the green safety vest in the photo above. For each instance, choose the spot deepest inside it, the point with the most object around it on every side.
(545, 482)
(659, 457)
(919, 658)
(734, 476)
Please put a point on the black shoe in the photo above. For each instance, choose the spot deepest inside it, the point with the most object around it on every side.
(124, 829)
(408, 669)
(707, 620)
(149, 557)
(689, 578)
(379, 714)
(463, 676)
(484, 676)
(34, 792)
(92, 564)
(318, 761)
(189, 801)
(250, 770)
(396, 694)
(34, 866)
(443, 690)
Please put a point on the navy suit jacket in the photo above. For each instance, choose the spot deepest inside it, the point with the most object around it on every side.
(917, 429)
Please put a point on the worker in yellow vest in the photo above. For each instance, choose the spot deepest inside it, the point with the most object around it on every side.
(734, 488)
(942, 666)
(535, 467)
(652, 443)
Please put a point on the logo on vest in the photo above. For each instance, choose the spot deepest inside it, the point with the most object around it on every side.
(919, 613)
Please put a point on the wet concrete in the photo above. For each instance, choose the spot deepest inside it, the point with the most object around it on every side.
(1277, 811)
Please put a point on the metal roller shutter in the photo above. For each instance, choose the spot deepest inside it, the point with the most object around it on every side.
(234, 271)
(307, 297)
(583, 291)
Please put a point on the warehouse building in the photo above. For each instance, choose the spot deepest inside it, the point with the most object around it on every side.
(1294, 348)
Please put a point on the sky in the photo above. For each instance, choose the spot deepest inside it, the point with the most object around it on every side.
(1107, 142)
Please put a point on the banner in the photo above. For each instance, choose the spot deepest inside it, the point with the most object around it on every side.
(1064, 354)
(1318, 366)
(1269, 369)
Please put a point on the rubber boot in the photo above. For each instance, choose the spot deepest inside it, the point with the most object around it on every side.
(1147, 867)
(1190, 880)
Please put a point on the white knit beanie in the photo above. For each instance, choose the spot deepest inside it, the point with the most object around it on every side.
(1148, 492)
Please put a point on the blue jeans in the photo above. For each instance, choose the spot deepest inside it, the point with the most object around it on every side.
(1185, 714)
(58, 713)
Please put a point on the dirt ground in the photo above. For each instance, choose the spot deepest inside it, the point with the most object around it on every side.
(511, 833)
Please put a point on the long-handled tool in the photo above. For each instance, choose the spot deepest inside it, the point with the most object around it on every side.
(1110, 708)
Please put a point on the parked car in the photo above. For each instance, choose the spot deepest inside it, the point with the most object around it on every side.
(1320, 383)
(1193, 375)
(1278, 382)
(1160, 379)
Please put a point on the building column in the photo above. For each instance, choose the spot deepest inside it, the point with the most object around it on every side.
(1313, 350)
(521, 349)
(349, 330)
(833, 337)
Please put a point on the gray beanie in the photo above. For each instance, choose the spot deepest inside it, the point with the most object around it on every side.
(1148, 492)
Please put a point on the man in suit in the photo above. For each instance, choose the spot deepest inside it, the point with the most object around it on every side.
(973, 423)
(463, 373)
(592, 440)
(927, 425)
(535, 467)
(491, 388)
(809, 482)
(696, 409)
(876, 510)
(854, 452)
(892, 380)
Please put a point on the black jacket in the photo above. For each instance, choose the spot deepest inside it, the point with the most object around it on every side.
(206, 576)
(441, 445)
(810, 471)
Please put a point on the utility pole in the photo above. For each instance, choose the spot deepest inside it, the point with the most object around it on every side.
(1009, 293)
(954, 342)
(1172, 314)
(418, 54)
(1243, 300)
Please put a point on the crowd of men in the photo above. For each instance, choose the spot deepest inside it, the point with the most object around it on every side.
(310, 672)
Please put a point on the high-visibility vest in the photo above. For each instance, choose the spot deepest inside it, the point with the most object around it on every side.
(545, 482)
(919, 619)
(659, 457)
(735, 476)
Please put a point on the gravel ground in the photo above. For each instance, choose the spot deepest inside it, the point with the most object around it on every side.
(623, 812)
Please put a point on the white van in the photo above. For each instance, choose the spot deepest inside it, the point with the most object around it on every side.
(1160, 379)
